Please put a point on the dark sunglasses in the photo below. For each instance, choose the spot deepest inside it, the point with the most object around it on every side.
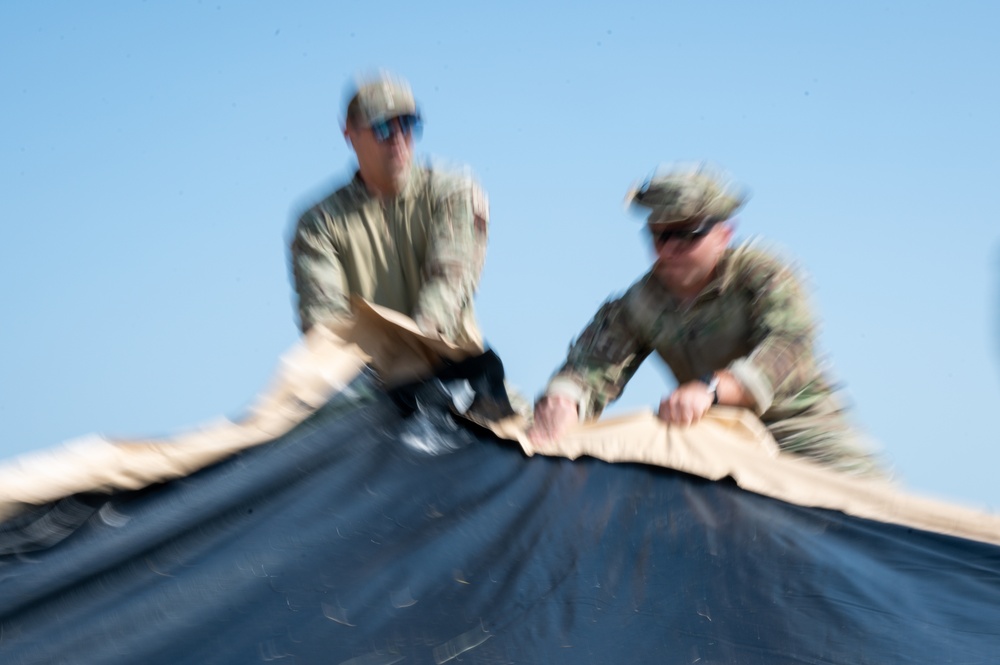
(686, 236)
(407, 125)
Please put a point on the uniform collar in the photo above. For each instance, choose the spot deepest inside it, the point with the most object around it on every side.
(725, 276)
(724, 281)
(362, 193)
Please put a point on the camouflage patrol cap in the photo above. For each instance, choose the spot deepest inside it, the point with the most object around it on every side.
(685, 194)
(380, 98)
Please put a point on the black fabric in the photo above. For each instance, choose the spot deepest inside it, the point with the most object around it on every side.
(368, 537)
(483, 375)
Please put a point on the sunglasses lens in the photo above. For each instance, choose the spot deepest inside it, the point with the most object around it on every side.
(410, 124)
(406, 125)
(687, 237)
(667, 236)
(381, 130)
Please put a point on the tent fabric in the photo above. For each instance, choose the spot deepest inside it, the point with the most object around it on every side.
(727, 443)
(308, 375)
(381, 529)
(723, 446)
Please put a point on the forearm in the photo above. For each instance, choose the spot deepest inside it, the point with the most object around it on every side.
(455, 259)
(567, 390)
(588, 388)
(730, 392)
(601, 361)
(443, 296)
(780, 364)
(318, 279)
(782, 359)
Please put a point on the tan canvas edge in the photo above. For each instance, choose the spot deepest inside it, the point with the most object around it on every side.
(732, 442)
(316, 368)
(727, 443)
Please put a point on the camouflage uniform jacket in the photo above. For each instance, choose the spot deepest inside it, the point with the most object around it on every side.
(754, 320)
(420, 252)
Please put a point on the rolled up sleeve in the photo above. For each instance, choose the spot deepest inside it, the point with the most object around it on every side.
(455, 258)
(783, 330)
(601, 361)
(319, 278)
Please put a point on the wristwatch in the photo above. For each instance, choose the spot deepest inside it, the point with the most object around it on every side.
(712, 380)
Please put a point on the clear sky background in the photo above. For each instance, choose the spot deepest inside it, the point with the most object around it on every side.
(154, 155)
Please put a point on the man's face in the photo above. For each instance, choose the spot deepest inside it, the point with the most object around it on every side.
(686, 262)
(384, 151)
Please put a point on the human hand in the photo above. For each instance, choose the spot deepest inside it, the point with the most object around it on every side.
(554, 415)
(686, 405)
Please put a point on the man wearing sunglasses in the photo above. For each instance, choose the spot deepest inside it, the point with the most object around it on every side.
(732, 323)
(402, 235)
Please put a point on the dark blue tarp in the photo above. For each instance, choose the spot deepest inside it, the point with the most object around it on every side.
(371, 535)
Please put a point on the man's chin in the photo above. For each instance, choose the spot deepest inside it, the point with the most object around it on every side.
(670, 273)
(401, 175)
(400, 159)
(674, 278)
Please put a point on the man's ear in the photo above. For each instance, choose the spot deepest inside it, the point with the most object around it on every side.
(727, 232)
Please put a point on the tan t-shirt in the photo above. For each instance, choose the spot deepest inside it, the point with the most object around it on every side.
(420, 252)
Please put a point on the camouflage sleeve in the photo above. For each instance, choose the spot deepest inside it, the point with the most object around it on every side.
(318, 274)
(455, 257)
(601, 361)
(783, 329)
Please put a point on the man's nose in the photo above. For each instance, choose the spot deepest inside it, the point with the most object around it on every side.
(672, 248)
(398, 134)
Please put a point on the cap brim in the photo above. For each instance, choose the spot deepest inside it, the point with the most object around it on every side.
(393, 113)
(688, 221)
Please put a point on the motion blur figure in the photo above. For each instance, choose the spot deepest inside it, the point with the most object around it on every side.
(732, 323)
(402, 235)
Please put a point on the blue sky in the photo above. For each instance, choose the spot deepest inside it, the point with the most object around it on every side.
(155, 154)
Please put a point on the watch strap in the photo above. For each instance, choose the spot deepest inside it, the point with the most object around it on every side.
(712, 381)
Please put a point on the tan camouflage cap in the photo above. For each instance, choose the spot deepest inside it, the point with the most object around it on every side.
(380, 98)
(685, 194)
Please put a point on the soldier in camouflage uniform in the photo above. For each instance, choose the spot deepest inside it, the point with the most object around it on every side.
(405, 236)
(731, 323)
